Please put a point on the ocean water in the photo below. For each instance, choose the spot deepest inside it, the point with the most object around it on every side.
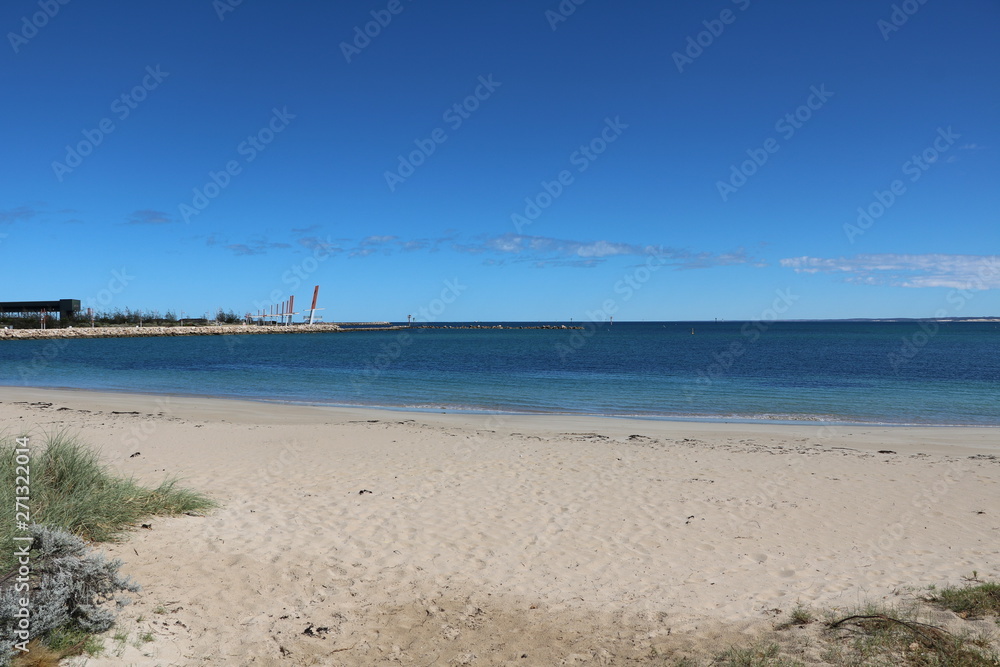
(854, 372)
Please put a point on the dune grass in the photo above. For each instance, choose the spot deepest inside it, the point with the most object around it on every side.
(875, 635)
(761, 654)
(982, 599)
(882, 635)
(71, 489)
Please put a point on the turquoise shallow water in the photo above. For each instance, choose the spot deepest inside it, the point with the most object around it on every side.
(894, 373)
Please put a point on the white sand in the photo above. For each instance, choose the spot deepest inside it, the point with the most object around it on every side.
(488, 538)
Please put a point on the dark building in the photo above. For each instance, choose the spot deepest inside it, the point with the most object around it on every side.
(65, 307)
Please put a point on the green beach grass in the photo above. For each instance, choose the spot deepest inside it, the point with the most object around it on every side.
(69, 488)
(982, 599)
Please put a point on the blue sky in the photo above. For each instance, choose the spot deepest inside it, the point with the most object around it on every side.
(524, 160)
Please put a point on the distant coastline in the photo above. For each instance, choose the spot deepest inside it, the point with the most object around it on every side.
(240, 330)
(989, 318)
(134, 331)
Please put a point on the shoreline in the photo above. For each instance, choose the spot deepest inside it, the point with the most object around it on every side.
(775, 420)
(250, 411)
(410, 537)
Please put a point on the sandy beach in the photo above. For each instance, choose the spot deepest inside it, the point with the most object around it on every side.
(371, 537)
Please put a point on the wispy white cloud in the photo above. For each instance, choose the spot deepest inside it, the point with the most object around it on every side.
(372, 244)
(538, 251)
(543, 251)
(965, 147)
(927, 270)
(242, 249)
(316, 243)
(414, 245)
(255, 247)
(148, 217)
(18, 214)
(38, 213)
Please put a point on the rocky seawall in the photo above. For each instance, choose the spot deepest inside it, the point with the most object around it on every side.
(140, 332)
(233, 330)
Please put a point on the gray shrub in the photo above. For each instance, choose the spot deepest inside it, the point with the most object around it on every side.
(70, 585)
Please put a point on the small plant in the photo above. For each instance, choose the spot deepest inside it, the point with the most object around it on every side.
(120, 639)
(763, 654)
(971, 601)
(801, 616)
(67, 640)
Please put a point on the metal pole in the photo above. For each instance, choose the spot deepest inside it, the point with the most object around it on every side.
(312, 311)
